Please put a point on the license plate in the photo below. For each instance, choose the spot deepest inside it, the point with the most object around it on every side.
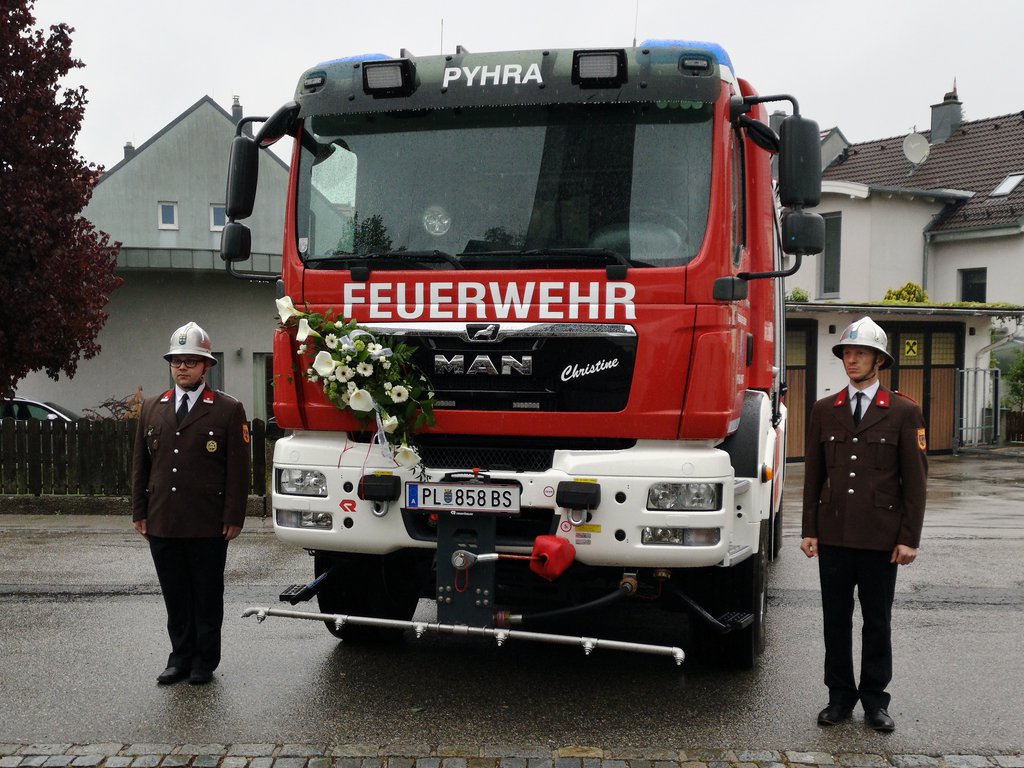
(462, 497)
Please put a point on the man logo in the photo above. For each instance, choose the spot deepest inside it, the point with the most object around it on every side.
(482, 332)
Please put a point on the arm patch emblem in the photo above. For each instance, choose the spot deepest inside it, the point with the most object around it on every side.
(922, 443)
(245, 434)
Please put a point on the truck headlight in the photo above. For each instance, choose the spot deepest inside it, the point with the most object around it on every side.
(301, 482)
(685, 496)
(681, 537)
(293, 518)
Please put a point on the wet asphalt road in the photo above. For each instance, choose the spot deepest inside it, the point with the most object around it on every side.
(81, 641)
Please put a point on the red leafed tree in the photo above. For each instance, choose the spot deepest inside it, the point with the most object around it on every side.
(56, 269)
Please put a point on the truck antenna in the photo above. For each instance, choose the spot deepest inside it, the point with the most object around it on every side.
(636, 19)
(442, 36)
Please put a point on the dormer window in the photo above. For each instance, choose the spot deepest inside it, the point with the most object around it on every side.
(1009, 184)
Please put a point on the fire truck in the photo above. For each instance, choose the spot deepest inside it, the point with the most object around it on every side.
(585, 251)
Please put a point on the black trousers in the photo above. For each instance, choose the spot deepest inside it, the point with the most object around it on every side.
(191, 573)
(843, 570)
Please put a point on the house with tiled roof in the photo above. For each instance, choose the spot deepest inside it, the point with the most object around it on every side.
(164, 202)
(944, 209)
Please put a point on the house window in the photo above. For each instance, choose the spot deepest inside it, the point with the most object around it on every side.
(167, 215)
(217, 217)
(1008, 184)
(829, 272)
(972, 284)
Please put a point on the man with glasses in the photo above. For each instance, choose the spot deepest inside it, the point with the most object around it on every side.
(190, 484)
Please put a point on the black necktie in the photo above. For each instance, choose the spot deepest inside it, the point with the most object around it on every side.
(182, 411)
(856, 409)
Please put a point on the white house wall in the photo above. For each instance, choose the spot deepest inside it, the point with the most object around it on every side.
(1004, 276)
(187, 165)
(239, 316)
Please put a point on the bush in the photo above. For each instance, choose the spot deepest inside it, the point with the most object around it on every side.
(911, 293)
(798, 295)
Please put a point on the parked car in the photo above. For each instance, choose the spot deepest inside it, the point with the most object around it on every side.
(23, 408)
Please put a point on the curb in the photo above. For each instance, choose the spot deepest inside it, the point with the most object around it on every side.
(114, 755)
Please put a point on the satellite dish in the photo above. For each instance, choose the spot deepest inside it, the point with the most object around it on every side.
(916, 148)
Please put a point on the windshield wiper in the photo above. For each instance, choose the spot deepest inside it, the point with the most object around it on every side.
(559, 253)
(344, 257)
(604, 253)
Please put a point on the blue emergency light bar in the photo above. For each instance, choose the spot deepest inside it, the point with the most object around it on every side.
(713, 48)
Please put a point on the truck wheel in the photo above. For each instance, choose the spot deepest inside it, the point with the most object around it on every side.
(382, 587)
(742, 647)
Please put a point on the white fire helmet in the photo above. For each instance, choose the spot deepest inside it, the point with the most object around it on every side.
(864, 333)
(190, 339)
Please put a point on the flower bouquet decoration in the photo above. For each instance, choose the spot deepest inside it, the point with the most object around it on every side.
(372, 378)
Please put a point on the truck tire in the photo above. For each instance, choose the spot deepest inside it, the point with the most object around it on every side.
(382, 587)
(749, 590)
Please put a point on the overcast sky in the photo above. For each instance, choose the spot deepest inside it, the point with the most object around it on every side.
(870, 67)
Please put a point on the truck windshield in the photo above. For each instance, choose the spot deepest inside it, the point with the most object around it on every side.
(506, 188)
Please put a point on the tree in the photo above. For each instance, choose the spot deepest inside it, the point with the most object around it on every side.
(1014, 379)
(56, 269)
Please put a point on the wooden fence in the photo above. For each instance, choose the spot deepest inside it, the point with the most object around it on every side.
(1014, 422)
(88, 458)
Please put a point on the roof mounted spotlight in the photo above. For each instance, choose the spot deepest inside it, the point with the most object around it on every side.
(393, 77)
(599, 69)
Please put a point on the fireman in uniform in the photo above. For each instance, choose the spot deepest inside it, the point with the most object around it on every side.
(863, 508)
(190, 481)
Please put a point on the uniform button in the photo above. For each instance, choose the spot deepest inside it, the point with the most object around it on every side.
(849, 491)
(831, 437)
(856, 440)
(890, 506)
(175, 450)
(853, 458)
(173, 489)
(177, 434)
(883, 439)
(852, 474)
(175, 469)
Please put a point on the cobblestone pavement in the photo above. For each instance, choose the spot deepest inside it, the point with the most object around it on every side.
(423, 756)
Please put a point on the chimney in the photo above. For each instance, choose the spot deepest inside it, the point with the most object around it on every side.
(946, 117)
(129, 150)
(236, 115)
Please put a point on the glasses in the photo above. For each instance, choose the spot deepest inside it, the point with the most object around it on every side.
(186, 363)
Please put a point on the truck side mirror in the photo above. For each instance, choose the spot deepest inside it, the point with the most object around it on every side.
(243, 171)
(235, 242)
(803, 233)
(799, 163)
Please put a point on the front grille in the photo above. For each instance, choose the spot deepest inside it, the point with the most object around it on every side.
(503, 453)
(487, 458)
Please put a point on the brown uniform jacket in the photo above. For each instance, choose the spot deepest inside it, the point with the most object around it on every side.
(864, 485)
(189, 481)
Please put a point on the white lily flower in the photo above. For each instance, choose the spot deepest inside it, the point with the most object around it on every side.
(305, 331)
(399, 394)
(361, 400)
(323, 363)
(406, 456)
(390, 424)
(286, 309)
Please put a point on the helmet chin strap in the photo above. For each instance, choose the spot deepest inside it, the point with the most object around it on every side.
(198, 384)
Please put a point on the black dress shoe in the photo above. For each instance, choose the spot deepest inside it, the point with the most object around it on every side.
(834, 714)
(200, 677)
(879, 720)
(171, 675)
